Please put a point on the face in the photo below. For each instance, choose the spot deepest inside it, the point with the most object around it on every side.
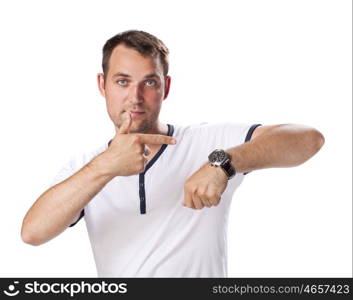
(134, 84)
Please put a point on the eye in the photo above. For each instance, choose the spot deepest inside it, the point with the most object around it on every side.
(151, 82)
(122, 82)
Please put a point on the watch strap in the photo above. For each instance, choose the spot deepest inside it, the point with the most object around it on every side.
(228, 168)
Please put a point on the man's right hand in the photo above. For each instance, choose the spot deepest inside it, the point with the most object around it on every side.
(126, 154)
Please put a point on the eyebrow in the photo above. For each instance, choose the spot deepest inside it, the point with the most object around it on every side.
(151, 75)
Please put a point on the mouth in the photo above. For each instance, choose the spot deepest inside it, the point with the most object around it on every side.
(136, 113)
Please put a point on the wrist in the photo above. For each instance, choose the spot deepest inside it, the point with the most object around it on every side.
(100, 166)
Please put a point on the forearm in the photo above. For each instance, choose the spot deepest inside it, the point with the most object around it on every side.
(281, 146)
(55, 209)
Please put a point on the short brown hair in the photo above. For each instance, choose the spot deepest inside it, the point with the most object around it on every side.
(145, 43)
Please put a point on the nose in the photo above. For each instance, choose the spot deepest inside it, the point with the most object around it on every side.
(135, 94)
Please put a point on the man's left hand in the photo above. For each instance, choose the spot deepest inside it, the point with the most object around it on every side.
(205, 187)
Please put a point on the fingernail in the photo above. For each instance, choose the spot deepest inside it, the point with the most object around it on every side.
(173, 141)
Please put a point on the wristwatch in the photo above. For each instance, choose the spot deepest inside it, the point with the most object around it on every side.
(220, 158)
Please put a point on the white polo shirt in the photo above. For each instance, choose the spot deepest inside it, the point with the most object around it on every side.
(137, 225)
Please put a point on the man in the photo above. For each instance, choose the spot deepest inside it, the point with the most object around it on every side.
(156, 197)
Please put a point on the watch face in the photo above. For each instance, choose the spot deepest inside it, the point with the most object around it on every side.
(217, 156)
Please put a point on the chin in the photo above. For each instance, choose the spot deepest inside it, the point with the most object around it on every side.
(140, 128)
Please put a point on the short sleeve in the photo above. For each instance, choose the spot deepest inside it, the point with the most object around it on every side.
(225, 135)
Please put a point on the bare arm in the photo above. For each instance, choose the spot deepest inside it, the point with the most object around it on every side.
(60, 205)
(284, 145)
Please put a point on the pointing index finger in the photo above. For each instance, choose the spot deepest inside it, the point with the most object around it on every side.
(157, 139)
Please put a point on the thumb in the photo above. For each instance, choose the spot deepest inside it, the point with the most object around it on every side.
(125, 126)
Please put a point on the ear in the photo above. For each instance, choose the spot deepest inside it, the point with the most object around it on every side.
(167, 86)
(100, 81)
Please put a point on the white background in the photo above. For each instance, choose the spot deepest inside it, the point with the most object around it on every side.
(242, 61)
